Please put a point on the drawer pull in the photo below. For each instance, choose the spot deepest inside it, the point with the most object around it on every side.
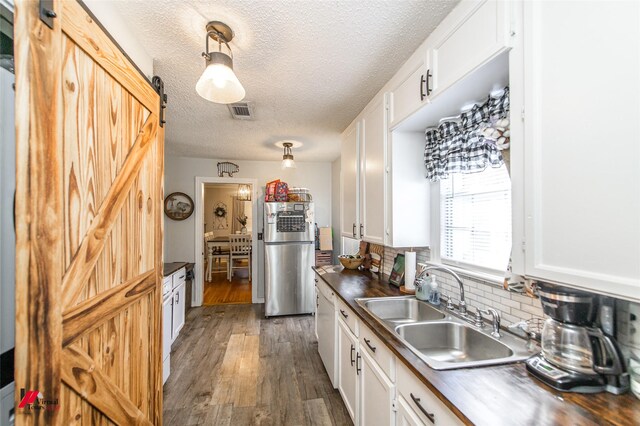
(181, 277)
(352, 350)
(358, 364)
(430, 416)
(368, 342)
(344, 314)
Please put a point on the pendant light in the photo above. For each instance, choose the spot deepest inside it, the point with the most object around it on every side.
(218, 82)
(287, 158)
(244, 192)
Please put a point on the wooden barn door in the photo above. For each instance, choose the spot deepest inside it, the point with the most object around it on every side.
(88, 226)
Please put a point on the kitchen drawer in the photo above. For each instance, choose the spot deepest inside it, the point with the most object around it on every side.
(167, 284)
(422, 400)
(378, 351)
(325, 289)
(179, 277)
(347, 316)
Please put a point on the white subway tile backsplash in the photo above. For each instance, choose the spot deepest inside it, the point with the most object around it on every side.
(534, 310)
(510, 303)
(521, 314)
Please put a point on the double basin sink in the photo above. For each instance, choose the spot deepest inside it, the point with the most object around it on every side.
(443, 340)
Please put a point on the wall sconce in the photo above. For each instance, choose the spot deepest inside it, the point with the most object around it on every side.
(244, 192)
(218, 82)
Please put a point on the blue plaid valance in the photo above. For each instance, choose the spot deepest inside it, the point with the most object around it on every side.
(470, 142)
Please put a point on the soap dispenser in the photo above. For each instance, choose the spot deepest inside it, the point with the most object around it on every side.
(422, 288)
(433, 292)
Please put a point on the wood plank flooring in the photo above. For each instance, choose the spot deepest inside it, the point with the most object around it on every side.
(230, 366)
(221, 291)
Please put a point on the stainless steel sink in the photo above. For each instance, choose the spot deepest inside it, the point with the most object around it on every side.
(396, 311)
(443, 340)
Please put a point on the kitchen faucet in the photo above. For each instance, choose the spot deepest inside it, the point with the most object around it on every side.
(462, 306)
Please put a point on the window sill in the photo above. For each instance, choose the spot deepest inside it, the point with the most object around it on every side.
(490, 279)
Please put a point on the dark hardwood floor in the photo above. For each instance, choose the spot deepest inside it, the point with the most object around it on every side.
(220, 290)
(230, 366)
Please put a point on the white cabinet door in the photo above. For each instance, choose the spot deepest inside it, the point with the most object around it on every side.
(347, 375)
(472, 34)
(178, 310)
(582, 175)
(373, 145)
(376, 394)
(167, 314)
(326, 320)
(350, 196)
(405, 415)
(408, 88)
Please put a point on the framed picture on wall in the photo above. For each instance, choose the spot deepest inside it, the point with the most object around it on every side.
(178, 206)
(397, 273)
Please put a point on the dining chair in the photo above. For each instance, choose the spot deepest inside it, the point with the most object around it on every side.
(239, 249)
(214, 257)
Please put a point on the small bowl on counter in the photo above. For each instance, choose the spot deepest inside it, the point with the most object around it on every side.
(351, 261)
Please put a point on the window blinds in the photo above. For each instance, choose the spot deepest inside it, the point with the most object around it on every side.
(476, 219)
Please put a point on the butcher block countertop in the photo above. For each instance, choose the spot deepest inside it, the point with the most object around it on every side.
(500, 395)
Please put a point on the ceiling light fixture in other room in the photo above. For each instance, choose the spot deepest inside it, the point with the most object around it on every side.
(244, 192)
(218, 82)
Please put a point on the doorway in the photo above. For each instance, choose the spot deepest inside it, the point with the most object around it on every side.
(226, 230)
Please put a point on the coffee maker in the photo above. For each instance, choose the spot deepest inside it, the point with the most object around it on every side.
(577, 356)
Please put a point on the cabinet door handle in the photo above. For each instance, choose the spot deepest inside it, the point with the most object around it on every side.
(422, 83)
(368, 342)
(361, 230)
(358, 369)
(177, 298)
(354, 230)
(429, 75)
(430, 416)
(344, 314)
(353, 348)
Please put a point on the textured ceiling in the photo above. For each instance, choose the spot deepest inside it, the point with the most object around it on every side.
(308, 66)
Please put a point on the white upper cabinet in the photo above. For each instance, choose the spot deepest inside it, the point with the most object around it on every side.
(472, 34)
(373, 139)
(407, 91)
(350, 193)
(582, 154)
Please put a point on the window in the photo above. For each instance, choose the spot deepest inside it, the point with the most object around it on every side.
(475, 219)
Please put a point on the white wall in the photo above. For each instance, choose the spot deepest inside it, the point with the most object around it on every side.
(7, 234)
(115, 25)
(180, 174)
(335, 208)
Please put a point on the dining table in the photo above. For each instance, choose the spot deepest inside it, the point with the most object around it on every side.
(216, 244)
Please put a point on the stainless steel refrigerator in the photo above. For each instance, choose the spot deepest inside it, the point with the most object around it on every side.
(289, 253)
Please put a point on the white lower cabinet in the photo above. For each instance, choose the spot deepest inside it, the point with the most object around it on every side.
(377, 389)
(420, 402)
(178, 310)
(348, 369)
(376, 394)
(405, 415)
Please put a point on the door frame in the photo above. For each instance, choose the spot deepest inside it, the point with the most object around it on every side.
(198, 291)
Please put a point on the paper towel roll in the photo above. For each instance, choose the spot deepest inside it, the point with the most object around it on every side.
(409, 269)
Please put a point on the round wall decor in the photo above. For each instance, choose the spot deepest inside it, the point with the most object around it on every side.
(178, 206)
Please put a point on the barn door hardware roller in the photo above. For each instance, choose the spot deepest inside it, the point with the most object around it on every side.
(158, 84)
(47, 13)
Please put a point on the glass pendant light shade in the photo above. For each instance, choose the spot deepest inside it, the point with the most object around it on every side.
(287, 158)
(288, 163)
(218, 82)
